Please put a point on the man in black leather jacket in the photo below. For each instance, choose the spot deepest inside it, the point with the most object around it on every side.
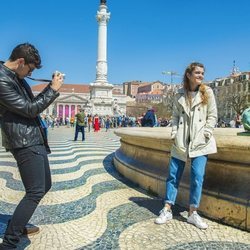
(23, 135)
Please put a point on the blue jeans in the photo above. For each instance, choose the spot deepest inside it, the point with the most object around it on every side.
(79, 129)
(176, 168)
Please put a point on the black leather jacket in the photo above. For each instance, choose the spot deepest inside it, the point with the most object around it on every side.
(19, 111)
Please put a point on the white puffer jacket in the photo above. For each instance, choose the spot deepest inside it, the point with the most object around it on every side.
(192, 128)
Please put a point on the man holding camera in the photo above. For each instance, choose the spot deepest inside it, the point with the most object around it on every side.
(23, 135)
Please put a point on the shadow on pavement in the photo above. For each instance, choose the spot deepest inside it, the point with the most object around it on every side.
(154, 204)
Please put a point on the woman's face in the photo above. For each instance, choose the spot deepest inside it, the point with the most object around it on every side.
(197, 76)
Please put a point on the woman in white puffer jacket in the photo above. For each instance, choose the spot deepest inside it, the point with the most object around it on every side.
(194, 118)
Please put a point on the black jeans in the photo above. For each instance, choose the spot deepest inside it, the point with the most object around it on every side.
(34, 169)
(79, 129)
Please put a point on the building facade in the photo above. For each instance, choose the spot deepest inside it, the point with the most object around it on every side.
(156, 87)
(75, 96)
(131, 88)
(144, 98)
(232, 94)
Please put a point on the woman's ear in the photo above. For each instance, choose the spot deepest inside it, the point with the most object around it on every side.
(188, 76)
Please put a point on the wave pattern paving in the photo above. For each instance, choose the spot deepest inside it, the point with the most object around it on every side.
(90, 206)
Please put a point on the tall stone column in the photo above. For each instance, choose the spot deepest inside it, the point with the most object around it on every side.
(63, 113)
(102, 17)
(70, 111)
(57, 110)
(100, 90)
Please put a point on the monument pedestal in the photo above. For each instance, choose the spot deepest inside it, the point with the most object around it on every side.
(101, 99)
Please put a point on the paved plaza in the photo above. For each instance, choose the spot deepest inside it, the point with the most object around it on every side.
(91, 206)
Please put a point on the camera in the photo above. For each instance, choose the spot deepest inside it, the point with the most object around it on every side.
(58, 72)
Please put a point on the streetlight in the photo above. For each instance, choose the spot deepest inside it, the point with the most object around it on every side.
(171, 73)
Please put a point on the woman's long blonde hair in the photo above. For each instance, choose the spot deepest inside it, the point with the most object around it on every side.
(186, 83)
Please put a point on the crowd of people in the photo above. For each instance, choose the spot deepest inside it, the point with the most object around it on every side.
(123, 121)
(107, 122)
(234, 123)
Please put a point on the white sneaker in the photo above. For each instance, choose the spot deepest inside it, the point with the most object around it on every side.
(165, 215)
(196, 220)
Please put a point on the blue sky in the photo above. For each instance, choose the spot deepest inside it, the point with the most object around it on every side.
(145, 37)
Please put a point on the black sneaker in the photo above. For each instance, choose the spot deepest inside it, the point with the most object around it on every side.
(30, 230)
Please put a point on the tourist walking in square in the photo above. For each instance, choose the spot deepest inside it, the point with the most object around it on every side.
(193, 122)
(72, 122)
(149, 119)
(96, 123)
(90, 122)
(107, 123)
(80, 124)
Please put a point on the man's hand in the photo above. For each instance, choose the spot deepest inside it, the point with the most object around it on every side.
(57, 80)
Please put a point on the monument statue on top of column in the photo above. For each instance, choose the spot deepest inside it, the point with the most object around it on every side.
(103, 2)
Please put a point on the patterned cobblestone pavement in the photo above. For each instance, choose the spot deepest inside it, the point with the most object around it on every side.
(90, 206)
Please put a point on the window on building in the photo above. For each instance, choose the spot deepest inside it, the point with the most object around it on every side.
(60, 110)
(66, 111)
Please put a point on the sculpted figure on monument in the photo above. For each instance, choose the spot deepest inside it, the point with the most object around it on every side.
(246, 119)
(103, 2)
(101, 68)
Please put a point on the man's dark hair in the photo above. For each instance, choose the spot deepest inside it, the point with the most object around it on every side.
(28, 52)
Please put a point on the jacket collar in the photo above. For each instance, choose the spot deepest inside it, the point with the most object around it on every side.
(183, 103)
(21, 83)
(10, 73)
(197, 99)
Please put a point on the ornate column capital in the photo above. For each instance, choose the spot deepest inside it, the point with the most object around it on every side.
(102, 17)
